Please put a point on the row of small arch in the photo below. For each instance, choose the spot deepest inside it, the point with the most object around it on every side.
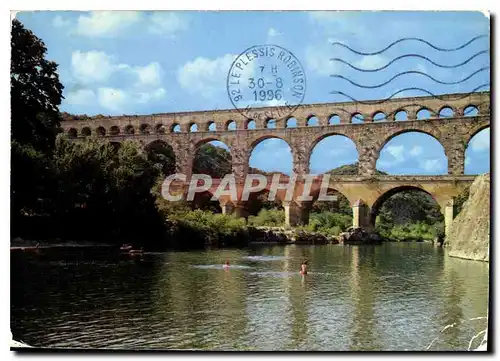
(424, 113)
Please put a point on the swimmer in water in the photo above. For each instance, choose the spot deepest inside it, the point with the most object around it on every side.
(303, 268)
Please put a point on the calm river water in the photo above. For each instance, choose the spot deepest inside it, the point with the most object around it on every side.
(389, 297)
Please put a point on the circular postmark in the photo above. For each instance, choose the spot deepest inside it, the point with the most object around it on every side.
(266, 76)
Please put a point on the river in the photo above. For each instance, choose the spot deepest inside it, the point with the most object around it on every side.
(388, 297)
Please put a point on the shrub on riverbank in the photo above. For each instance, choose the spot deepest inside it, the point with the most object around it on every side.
(411, 232)
(268, 218)
(327, 223)
(203, 228)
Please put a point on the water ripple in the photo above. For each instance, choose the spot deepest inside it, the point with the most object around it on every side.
(393, 297)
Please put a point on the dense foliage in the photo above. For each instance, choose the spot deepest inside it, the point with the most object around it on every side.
(329, 223)
(211, 160)
(90, 190)
(268, 217)
(36, 92)
(198, 228)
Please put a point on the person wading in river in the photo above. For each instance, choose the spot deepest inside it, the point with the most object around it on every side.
(303, 268)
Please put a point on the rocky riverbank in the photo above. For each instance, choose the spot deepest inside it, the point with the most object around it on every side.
(281, 235)
(469, 236)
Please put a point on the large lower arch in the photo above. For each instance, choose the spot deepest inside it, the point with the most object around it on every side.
(203, 201)
(212, 157)
(72, 133)
(116, 146)
(86, 132)
(257, 201)
(410, 204)
(333, 215)
(341, 203)
(477, 130)
(332, 151)
(271, 154)
(412, 152)
(477, 152)
(162, 155)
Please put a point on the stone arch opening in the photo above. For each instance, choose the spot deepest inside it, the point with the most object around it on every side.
(162, 155)
(193, 128)
(379, 117)
(407, 213)
(291, 123)
(86, 132)
(160, 129)
(412, 152)
(101, 131)
(263, 211)
(471, 111)
(342, 201)
(401, 115)
(129, 129)
(335, 154)
(271, 123)
(72, 133)
(446, 112)
(212, 157)
(145, 129)
(334, 119)
(330, 216)
(357, 118)
(176, 128)
(211, 126)
(230, 125)
(203, 201)
(280, 162)
(423, 113)
(250, 124)
(116, 145)
(114, 130)
(477, 152)
(312, 121)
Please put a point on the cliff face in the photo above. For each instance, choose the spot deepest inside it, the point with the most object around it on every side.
(469, 236)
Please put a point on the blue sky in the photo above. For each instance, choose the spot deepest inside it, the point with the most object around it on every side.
(151, 62)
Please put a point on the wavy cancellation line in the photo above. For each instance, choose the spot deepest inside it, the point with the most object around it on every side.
(409, 72)
(374, 102)
(411, 56)
(411, 39)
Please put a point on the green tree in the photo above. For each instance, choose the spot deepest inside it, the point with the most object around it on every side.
(163, 157)
(104, 193)
(211, 160)
(36, 92)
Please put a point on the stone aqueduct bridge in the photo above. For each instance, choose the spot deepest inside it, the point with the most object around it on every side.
(365, 191)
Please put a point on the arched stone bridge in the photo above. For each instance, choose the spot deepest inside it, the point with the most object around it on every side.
(379, 125)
